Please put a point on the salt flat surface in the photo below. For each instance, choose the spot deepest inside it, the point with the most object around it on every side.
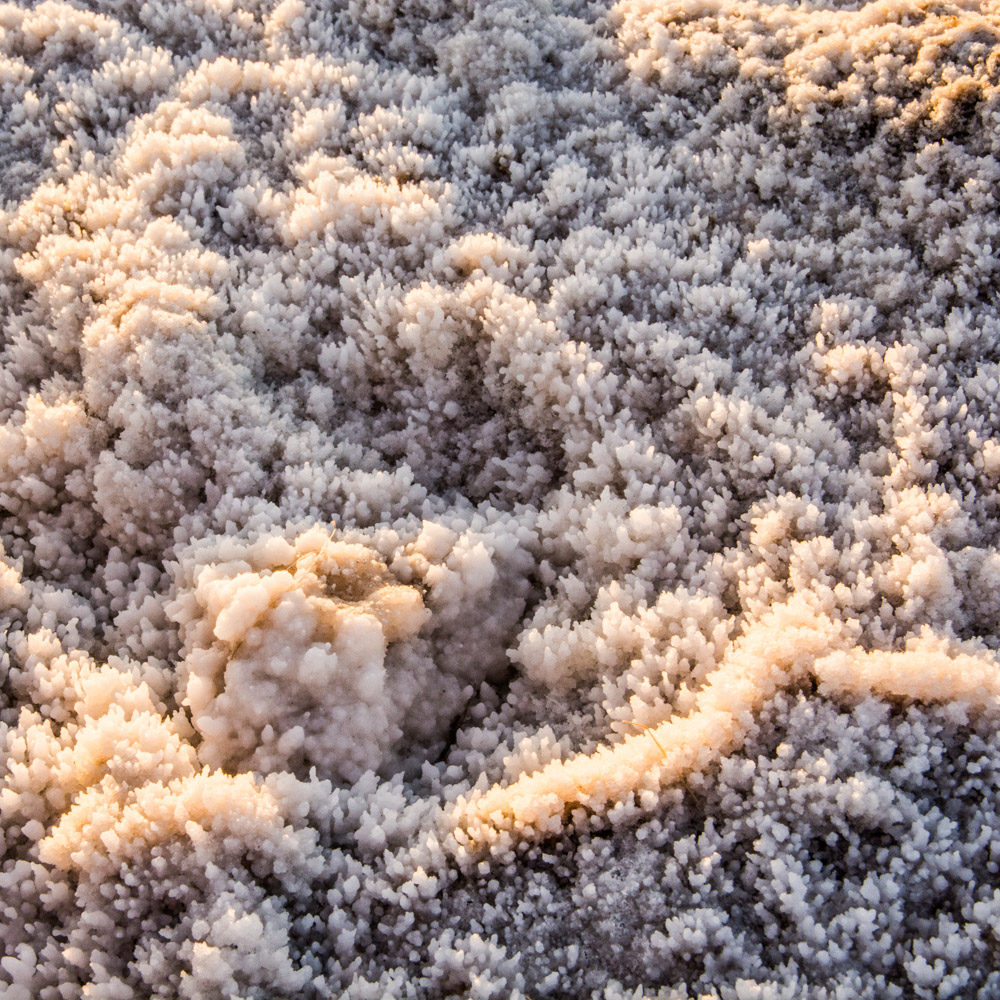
(499, 500)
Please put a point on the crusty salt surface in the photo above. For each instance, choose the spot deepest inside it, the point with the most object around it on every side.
(499, 499)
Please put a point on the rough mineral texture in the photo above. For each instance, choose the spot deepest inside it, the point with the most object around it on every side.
(500, 500)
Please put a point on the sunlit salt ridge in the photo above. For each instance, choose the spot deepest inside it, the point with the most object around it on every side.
(499, 500)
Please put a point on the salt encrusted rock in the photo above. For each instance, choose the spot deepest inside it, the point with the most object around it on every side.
(285, 656)
(310, 653)
(646, 356)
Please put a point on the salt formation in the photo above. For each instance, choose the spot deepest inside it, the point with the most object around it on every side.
(500, 499)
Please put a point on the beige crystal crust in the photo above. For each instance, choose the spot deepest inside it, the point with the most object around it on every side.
(499, 499)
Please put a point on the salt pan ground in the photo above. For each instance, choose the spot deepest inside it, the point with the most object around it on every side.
(500, 499)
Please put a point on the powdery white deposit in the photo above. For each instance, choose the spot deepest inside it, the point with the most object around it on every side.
(500, 500)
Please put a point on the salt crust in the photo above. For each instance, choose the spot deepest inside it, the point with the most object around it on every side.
(499, 500)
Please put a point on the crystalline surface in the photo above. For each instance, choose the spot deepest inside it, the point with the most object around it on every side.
(499, 499)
